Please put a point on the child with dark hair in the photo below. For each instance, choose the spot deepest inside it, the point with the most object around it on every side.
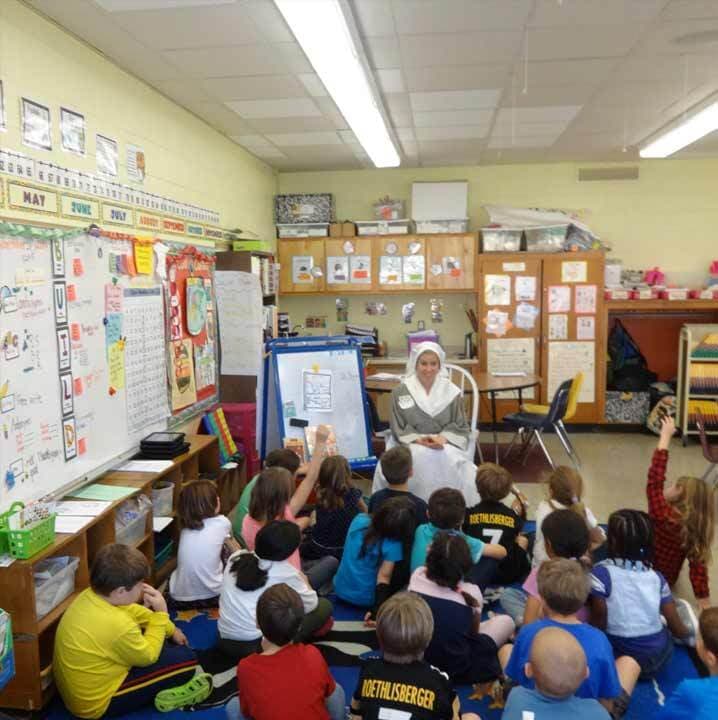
(629, 597)
(494, 522)
(198, 578)
(697, 699)
(447, 509)
(566, 535)
(338, 503)
(401, 684)
(462, 646)
(110, 652)
(246, 577)
(281, 457)
(269, 685)
(396, 466)
(375, 546)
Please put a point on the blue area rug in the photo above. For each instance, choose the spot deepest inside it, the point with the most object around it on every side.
(345, 647)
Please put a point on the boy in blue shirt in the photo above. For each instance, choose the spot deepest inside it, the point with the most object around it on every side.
(697, 699)
(447, 509)
(563, 586)
(557, 666)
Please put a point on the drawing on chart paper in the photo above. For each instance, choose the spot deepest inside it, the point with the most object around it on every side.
(525, 288)
(497, 290)
(558, 327)
(586, 328)
(559, 299)
(586, 299)
(317, 390)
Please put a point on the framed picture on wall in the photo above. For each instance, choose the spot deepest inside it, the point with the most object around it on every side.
(72, 131)
(35, 125)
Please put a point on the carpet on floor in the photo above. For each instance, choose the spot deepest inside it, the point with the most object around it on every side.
(534, 470)
(346, 647)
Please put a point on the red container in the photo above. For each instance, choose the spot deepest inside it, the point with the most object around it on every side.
(241, 419)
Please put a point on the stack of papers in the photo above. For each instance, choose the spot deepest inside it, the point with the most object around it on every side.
(109, 493)
(73, 515)
(149, 466)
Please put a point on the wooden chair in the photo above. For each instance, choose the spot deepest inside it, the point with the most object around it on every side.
(710, 452)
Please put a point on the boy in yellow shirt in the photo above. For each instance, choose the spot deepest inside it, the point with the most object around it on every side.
(110, 652)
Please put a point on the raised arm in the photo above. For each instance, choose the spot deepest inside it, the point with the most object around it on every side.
(301, 494)
(658, 507)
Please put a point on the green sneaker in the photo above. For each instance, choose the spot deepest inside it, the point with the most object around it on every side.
(192, 692)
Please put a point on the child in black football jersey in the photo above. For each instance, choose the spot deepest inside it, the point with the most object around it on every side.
(494, 522)
(401, 680)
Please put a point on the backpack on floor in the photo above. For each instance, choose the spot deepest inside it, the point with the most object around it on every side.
(627, 369)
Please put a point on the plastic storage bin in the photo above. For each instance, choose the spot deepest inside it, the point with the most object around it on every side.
(546, 239)
(303, 230)
(383, 227)
(28, 541)
(54, 581)
(162, 495)
(428, 227)
(131, 520)
(4, 532)
(500, 240)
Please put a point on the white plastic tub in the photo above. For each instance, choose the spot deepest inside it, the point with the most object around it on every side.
(429, 227)
(54, 581)
(162, 498)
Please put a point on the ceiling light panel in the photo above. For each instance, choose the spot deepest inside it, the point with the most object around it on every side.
(288, 107)
(454, 100)
(390, 80)
(693, 128)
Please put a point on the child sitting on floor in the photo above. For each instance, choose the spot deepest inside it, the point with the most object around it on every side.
(269, 685)
(565, 490)
(566, 536)
(110, 652)
(564, 586)
(462, 646)
(248, 574)
(375, 546)
(198, 578)
(402, 684)
(338, 503)
(629, 597)
(396, 466)
(683, 517)
(447, 508)
(493, 522)
(697, 699)
(557, 665)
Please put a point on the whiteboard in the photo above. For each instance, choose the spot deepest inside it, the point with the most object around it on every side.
(439, 200)
(54, 366)
(321, 386)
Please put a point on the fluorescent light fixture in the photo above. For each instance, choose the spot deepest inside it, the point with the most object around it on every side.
(321, 28)
(685, 133)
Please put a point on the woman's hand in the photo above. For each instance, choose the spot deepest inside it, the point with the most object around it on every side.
(435, 442)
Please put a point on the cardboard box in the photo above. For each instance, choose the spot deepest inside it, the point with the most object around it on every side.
(349, 229)
(335, 230)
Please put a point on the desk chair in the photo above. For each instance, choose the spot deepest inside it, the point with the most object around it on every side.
(536, 423)
(463, 379)
(560, 428)
(710, 452)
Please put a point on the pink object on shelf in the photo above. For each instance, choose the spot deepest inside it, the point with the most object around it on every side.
(655, 277)
(714, 268)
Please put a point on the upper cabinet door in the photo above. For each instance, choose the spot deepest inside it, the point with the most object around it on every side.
(450, 261)
(298, 261)
(349, 266)
(400, 263)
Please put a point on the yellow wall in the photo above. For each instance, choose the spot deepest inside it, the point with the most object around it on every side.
(186, 159)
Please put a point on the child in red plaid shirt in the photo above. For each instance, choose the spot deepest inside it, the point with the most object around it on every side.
(683, 515)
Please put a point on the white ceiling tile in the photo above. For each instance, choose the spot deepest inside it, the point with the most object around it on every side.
(453, 117)
(448, 16)
(251, 140)
(305, 139)
(513, 156)
(458, 48)
(410, 147)
(313, 152)
(292, 124)
(581, 41)
(288, 107)
(220, 117)
(390, 80)
(313, 85)
(451, 132)
(348, 137)
(269, 21)
(454, 100)
(238, 60)
(182, 91)
(293, 57)
(267, 153)
(673, 38)
(456, 77)
(538, 96)
(129, 5)
(589, 12)
(690, 9)
(405, 133)
(551, 73)
(526, 142)
(397, 103)
(331, 112)
(382, 52)
(589, 141)
(374, 18)
(519, 129)
(555, 114)
(256, 87)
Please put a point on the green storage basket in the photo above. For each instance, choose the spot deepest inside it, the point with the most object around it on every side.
(4, 517)
(164, 555)
(30, 540)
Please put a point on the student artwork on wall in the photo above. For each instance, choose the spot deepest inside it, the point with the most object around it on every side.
(35, 125)
(72, 131)
(184, 391)
(106, 155)
(337, 269)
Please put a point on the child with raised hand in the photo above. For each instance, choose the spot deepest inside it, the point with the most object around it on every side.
(683, 517)
(248, 574)
(401, 684)
(375, 547)
(566, 536)
(198, 578)
(447, 509)
(557, 665)
(494, 522)
(564, 586)
(269, 685)
(338, 503)
(629, 597)
(397, 468)
(462, 646)
(565, 490)
(275, 498)
(697, 699)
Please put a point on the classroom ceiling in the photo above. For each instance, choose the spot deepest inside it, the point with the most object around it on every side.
(463, 82)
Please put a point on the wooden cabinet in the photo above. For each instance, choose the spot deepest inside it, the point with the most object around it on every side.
(289, 253)
(410, 278)
(455, 255)
(339, 265)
